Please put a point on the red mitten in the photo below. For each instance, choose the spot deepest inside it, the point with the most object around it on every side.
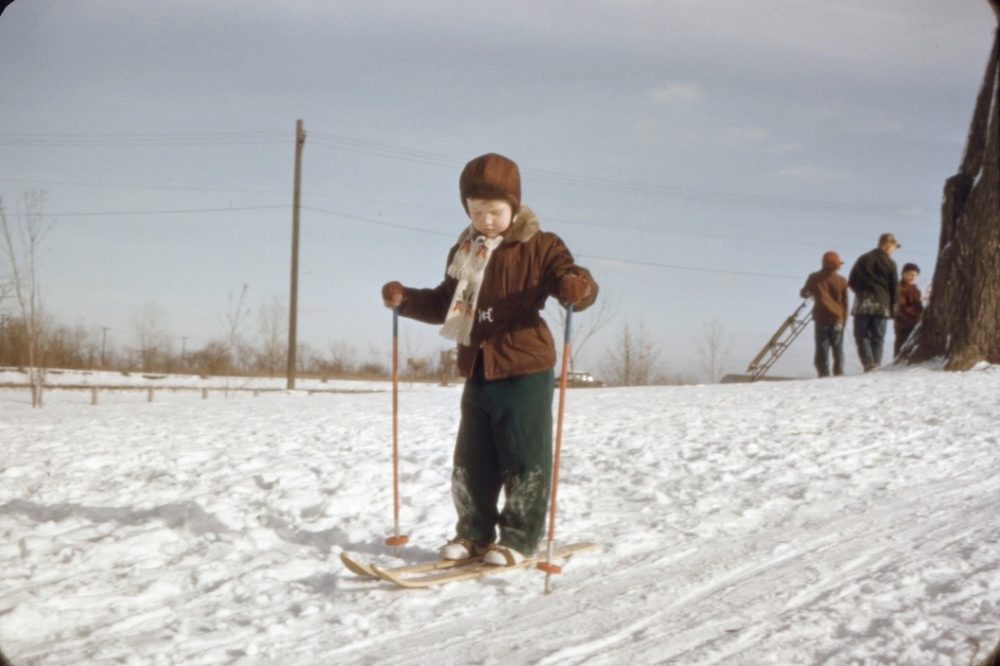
(393, 294)
(573, 288)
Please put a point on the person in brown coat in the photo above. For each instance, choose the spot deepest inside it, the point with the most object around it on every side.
(499, 274)
(829, 293)
(910, 306)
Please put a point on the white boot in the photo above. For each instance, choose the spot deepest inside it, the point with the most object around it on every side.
(459, 549)
(502, 556)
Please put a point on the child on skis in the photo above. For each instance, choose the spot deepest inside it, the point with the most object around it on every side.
(499, 275)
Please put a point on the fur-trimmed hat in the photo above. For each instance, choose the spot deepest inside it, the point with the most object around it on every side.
(491, 176)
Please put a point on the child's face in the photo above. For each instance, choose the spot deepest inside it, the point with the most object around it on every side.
(490, 217)
(909, 277)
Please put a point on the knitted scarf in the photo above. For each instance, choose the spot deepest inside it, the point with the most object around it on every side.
(467, 267)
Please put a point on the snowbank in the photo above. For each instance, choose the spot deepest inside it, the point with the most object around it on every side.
(847, 521)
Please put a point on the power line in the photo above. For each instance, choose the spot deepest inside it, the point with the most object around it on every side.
(422, 230)
(698, 269)
(175, 211)
(386, 150)
(383, 223)
(407, 154)
(139, 186)
(144, 139)
(577, 222)
(402, 153)
(631, 262)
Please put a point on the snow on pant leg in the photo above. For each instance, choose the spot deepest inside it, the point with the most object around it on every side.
(521, 408)
(475, 476)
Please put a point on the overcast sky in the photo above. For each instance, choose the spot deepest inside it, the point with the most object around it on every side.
(698, 155)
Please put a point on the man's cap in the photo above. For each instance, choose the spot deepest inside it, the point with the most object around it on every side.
(885, 239)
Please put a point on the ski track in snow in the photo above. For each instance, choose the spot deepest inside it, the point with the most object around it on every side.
(848, 521)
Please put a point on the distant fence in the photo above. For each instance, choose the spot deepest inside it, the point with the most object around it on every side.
(151, 391)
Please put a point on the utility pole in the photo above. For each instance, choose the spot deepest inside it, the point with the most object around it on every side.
(184, 340)
(293, 300)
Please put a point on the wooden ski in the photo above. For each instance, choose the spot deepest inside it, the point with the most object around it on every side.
(406, 579)
(366, 570)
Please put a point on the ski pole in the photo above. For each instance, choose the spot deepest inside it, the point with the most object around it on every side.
(397, 540)
(547, 566)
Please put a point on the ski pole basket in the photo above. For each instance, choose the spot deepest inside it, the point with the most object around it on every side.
(779, 342)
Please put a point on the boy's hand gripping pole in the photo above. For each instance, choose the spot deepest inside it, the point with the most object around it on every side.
(397, 540)
(547, 565)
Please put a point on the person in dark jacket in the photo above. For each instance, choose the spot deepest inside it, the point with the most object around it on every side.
(910, 307)
(875, 283)
(499, 275)
(828, 289)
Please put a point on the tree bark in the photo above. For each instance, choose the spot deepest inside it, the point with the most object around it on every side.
(961, 324)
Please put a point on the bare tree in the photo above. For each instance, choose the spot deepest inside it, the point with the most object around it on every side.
(633, 361)
(587, 324)
(448, 364)
(272, 318)
(151, 335)
(21, 244)
(237, 312)
(6, 281)
(962, 321)
(236, 352)
(343, 358)
(714, 349)
(374, 366)
(70, 346)
(212, 359)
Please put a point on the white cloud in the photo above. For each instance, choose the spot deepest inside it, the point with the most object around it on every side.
(785, 148)
(676, 94)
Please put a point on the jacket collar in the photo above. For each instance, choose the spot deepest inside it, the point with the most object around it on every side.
(522, 228)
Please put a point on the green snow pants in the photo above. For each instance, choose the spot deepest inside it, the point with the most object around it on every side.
(504, 442)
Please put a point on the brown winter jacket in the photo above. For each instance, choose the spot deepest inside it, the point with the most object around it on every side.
(523, 271)
(910, 307)
(829, 293)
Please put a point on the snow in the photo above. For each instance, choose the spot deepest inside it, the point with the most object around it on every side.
(844, 521)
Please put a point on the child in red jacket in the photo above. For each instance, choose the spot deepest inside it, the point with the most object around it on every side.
(910, 306)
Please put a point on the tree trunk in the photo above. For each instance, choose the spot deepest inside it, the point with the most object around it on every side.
(962, 321)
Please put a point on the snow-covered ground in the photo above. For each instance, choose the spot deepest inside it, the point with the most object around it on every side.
(846, 521)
